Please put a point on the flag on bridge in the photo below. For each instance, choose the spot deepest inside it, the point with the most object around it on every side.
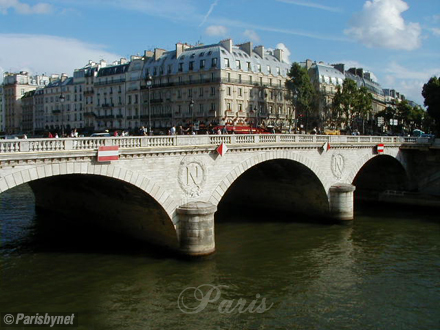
(221, 149)
(108, 153)
(326, 146)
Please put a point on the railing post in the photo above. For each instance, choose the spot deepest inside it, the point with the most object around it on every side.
(24, 146)
(68, 144)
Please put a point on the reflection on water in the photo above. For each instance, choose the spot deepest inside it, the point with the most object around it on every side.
(380, 273)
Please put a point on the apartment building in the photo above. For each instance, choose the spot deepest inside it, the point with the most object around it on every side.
(109, 96)
(221, 83)
(15, 85)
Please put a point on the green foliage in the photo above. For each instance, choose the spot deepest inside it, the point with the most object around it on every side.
(431, 93)
(351, 101)
(301, 91)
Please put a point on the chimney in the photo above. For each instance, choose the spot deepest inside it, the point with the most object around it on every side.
(259, 50)
(278, 53)
(227, 43)
(360, 72)
(247, 48)
(158, 52)
(308, 64)
(148, 53)
(340, 67)
(123, 60)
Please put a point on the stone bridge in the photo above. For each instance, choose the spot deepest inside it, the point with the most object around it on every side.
(166, 189)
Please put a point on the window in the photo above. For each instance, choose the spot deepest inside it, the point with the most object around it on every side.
(190, 92)
(201, 91)
(240, 107)
(180, 67)
(259, 67)
(239, 78)
(238, 64)
(249, 68)
(227, 63)
(214, 62)
(202, 64)
(250, 80)
(229, 77)
(228, 106)
(212, 91)
(229, 91)
(240, 92)
(269, 69)
(191, 65)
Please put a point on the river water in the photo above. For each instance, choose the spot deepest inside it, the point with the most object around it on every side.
(381, 273)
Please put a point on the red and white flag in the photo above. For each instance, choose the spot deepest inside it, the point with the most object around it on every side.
(221, 149)
(326, 146)
(106, 154)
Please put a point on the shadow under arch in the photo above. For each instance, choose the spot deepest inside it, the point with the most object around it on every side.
(105, 202)
(283, 188)
(378, 174)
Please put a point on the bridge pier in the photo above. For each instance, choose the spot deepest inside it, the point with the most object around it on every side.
(342, 201)
(196, 228)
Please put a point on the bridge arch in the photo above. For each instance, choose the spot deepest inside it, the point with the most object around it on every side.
(286, 161)
(155, 190)
(141, 185)
(362, 161)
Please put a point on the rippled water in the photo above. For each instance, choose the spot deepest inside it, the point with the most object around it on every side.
(381, 273)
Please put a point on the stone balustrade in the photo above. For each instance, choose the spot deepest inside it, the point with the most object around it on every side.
(92, 143)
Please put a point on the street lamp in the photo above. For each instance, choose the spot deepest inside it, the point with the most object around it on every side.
(149, 81)
(191, 106)
(256, 119)
(62, 99)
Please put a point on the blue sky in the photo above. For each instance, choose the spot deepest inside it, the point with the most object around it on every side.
(397, 40)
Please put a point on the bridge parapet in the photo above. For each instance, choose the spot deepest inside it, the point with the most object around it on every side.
(92, 143)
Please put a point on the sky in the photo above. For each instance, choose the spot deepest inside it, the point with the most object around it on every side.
(398, 41)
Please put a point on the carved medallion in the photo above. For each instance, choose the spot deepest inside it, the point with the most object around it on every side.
(337, 165)
(192, 177)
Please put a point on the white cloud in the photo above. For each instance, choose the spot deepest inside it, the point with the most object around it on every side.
(252, 35)
(435, 31)
(380, 24)
(40, 54)
(286, 52)
(24, 8)
(216, 30)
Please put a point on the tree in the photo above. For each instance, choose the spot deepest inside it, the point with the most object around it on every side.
(301, 91)
(350, 102)
(431, 93)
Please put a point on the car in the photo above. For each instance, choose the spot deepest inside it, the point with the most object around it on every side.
(106, 134)
(420, 133)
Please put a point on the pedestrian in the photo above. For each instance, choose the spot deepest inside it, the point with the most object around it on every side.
(173, 130)
(50, 135)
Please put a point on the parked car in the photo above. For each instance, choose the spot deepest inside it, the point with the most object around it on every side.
(420, 133)
(106, 134)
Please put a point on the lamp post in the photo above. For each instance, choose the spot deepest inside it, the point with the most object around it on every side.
(62, 99)
(191, 106)
(149, 82)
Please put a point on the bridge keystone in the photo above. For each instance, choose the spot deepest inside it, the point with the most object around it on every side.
(196, 228)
